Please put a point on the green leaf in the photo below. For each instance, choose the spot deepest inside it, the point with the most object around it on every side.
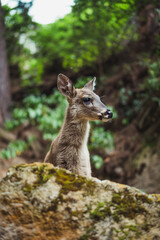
(97, 161)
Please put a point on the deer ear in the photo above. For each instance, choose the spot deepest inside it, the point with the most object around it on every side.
(91, 85)
(65, 86)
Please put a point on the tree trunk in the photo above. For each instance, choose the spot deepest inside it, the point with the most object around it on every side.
(5, 96)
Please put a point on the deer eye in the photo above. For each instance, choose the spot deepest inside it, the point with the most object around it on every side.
(87, 100)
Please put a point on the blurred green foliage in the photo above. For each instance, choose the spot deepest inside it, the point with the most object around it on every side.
(19, 28)
(132, 101)
(91, 33)
(97, 161)
(15, 148)
(101, 139)
(88, 34)
(39, 111)
(31, 71)
(17, 23)
(153, 81)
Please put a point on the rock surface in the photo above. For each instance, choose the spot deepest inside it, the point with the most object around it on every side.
(38, 201)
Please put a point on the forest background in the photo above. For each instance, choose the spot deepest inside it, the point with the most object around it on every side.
(117, 41)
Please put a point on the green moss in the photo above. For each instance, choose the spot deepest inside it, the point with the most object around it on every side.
(128, 232)
(122, 238)
(144, 198)
(88, 234)
(77, 213)
(28, 188)
(101, 211)
(14, 178)
(125, 204)
(131, 228)
(70, 182)
(19, 166)
(90, 186)
(43, 175)
(116, 216)
(43, 172)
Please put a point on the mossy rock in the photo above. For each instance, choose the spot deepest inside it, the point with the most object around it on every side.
(39, 201)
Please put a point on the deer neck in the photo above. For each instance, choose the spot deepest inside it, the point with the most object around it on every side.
(74, 131)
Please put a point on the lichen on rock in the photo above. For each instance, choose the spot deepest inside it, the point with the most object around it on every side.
(39, 201)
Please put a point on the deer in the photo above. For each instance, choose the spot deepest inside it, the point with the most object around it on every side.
(69, 149)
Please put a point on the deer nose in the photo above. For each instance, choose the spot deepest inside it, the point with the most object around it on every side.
(108, 114)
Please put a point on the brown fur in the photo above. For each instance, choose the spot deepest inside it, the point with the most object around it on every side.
(69, 150)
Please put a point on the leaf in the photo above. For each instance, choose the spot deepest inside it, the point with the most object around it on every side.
(97, 161)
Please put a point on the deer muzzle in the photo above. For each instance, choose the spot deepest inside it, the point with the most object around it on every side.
(105, 115)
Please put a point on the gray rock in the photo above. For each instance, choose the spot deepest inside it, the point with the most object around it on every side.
(38, 201)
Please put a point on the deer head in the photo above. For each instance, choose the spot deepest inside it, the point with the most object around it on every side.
(84, 104)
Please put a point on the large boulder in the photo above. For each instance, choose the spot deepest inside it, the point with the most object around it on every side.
(38, 201)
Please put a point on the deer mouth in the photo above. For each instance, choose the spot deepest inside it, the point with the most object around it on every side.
(106, 116)
(100, 117)
(106, 119)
